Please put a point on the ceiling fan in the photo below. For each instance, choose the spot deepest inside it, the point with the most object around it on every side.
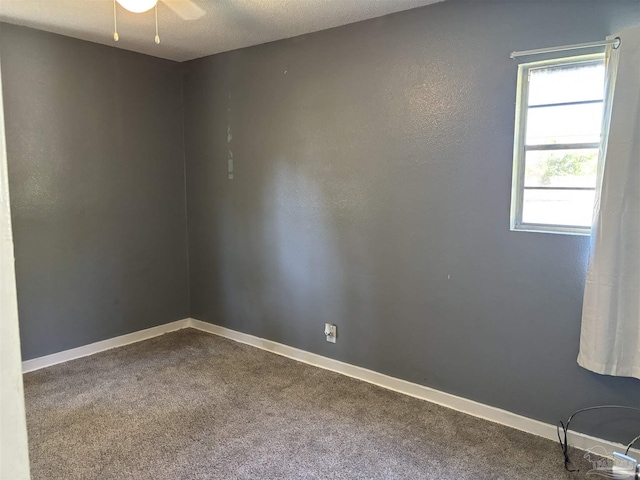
(185, 9)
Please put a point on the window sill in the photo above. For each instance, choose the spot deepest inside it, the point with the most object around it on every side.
(558, 230)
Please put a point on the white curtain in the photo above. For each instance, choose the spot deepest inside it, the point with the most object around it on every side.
(610, 336)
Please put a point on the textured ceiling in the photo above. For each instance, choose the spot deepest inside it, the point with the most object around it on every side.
(226, 25)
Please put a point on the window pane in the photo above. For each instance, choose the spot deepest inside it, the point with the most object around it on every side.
(566, 124)
(561, 168)
(567, 83)
(558, 207)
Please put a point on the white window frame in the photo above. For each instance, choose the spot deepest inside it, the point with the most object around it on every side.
(519, 150)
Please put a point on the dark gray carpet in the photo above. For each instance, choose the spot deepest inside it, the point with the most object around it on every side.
(189, 405)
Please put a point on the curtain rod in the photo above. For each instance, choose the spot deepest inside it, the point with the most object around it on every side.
(615, 42)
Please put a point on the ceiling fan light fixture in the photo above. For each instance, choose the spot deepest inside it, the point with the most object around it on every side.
(137, 6)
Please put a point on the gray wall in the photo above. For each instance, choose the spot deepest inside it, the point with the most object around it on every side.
(371, 189)
(96, 175)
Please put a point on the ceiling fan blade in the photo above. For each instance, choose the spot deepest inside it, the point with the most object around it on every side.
(185, 9)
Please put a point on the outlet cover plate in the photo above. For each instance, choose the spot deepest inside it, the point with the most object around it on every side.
(331, 332)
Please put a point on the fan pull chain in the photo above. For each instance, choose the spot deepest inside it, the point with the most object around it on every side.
(115, 23)
(157, 39)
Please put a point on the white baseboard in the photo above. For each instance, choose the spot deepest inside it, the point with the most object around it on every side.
(480, 410)
(487, 412)
(66, 355)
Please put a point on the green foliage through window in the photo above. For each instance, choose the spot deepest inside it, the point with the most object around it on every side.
(564, 164)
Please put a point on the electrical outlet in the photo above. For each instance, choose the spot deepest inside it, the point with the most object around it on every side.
(624, 467)
(331, 332)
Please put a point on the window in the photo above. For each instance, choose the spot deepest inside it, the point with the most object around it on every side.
(558, 129)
